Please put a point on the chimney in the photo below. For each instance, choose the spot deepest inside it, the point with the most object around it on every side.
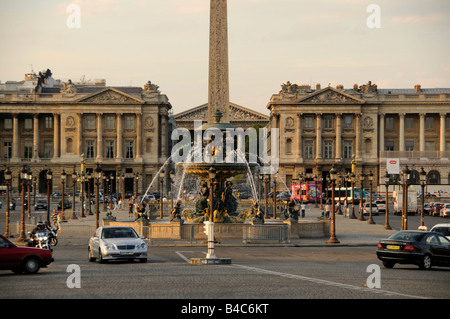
(340, 87)
(418, 88)
(318, 87)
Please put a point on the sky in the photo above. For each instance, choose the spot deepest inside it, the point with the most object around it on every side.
(130, 42)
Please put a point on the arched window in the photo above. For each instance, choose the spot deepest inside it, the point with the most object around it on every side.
(434, 178)
(414, 178)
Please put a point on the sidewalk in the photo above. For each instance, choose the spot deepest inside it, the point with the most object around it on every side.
(349, 232)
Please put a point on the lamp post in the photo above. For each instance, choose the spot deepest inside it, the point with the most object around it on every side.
(353, 181)
(370, 221)
(333, 176)
(23, 177)
(29, 181)
(88, 179)
(8, 178)
(161, 181)
(98, 178)
(49, 181)
(423, 183)
(212, 178)
(63, 181)
(274, 198)
(316, 205)
(172, 178)
(386, 183)
(266, 182)
(405, 175)
(361, 211)
(341, 182)
(74, 183)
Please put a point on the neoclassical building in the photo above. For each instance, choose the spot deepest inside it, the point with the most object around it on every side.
(322, 127)
(46, 124)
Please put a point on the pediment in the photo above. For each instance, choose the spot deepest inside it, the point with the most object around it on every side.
(111, 96)
(197, 113)
(330, 95)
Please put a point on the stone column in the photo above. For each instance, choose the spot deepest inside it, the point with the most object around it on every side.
(163, 136)
(119, 136)
(382, 120)
(422, 132)
(401, 132)
(358, 136)
(442, 133)
(318, 136)
(299, 136)
(80, 134)
(56, 135)
(139, 135)
(16, 143)
(338, 137)
(99, 136)
(35, 137)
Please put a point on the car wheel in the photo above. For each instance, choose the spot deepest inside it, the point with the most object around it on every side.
(91, 256)
(100, 257)
(426, 262)
(31, 265)
(143, 260)
(388, 264)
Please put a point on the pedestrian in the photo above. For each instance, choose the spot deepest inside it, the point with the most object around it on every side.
(120, 203)
(327, 211)
(346, 208)
(130, 208)
(303, 209)
(58, 222)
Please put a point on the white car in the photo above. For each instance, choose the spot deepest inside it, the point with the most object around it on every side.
(445, 211)
(381, 204)
(367, 209)
(117, 242)
(444, 229)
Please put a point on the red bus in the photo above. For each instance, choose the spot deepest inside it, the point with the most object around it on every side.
(306, 192)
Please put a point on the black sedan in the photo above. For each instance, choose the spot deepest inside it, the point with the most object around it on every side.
(424, 249)
(40, 204)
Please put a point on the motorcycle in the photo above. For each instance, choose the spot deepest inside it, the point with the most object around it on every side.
(52, 236)
(40, 240)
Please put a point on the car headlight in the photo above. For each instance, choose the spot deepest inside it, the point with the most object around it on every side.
(108, 246)
(142, 246)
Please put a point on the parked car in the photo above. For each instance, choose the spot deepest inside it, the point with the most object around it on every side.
(381, 204)
(374, 209)
(427, 209)
(114, 242)
(23, 259)
(149, 198)
(40, 204)
(444, 229)
(67, 204)
(445, 211)
(424, 249)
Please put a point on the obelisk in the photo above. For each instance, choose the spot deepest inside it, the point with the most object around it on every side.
(218, 85)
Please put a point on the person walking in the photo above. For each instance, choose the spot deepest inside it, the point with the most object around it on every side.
(58, 222)
(327, 211)
(303, 209)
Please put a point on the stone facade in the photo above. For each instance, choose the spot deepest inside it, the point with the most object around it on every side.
(46, 124)
(322, 127)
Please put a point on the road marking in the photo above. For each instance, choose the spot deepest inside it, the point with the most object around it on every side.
(326, 282)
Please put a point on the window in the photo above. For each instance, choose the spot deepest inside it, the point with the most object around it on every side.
(409, 145)
(90, 122)
(447, 123)
(7, 149)
(48, 122)
(433, 178)
(389, 123)
(309, 150)
(389, 146)
(48, 149)
(348, 121)
(429, 122)
(328, 149)
(308, 122)
(447, 147)
(109, 149)
(28, 124)
(409, 123)
(109, 121)
(348, 149)
(28, 149)
(129, 149)
(90, 149)
(429, 146)
(288, 146)
(129, 122)
(328, 122)
(8, 124)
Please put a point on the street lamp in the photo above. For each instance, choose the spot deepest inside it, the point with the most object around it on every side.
(361, 212)
(172, 178)
(49, 177)
(353, 181)
(212, 177)
(8, 178)
(386, 183)
(333, 176)
(370, 221)
(423, 183)
(266, 182)
(23, 177)
(74, 183)
(98, 178)
(29, 181)
(63, 182)
(405, 176)
(162, 173)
